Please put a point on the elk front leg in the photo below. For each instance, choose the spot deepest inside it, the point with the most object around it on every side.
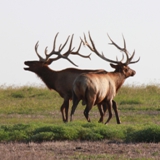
(109, 104)
(64, 110)
(114, 105)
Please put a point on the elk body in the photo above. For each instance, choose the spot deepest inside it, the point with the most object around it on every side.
(60, 81)
(101, 88)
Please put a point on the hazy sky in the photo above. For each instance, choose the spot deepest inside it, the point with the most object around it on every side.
(23, 23)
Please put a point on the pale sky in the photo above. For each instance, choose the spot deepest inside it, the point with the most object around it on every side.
(24, 22)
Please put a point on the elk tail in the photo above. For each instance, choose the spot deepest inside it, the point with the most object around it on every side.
(75, 100)
(84, 101)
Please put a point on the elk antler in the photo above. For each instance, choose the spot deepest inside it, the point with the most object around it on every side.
(58, 53)
(40, 58)
(65, 55)
(93, 49)
(54, 46)
(128, 60)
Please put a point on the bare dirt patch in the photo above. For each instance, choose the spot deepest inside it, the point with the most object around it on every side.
(79, 150)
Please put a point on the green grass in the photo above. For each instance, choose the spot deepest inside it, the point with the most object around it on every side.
(33, 114)
(38, 132)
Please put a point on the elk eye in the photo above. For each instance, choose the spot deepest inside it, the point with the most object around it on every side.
(126, 70)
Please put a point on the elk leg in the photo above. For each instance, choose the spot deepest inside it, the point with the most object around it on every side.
(66, 109)
(109, 104)
(73, 109)
(101, 113)
(74, 106)
(114, 105)
(88, 108)
(86, 114)
(105, 107)
(62, 111)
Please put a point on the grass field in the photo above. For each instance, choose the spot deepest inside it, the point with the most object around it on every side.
(33, 114)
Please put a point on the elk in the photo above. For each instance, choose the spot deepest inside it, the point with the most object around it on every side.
(60, 81)
(101, 88)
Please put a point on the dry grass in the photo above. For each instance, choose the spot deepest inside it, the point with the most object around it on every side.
(79, 150)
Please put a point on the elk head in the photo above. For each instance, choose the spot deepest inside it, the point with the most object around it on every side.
(34, 66)
(119, 66)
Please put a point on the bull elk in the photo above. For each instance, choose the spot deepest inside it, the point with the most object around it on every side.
(60, 81)
(99, 89)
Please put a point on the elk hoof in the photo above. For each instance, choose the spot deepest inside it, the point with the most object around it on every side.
(100, 120)
(106, 123)
(119, 122)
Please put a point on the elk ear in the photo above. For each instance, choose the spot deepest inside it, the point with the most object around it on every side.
(48, 62)
(113, 66)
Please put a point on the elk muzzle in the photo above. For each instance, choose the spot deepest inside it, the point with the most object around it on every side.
(27, 64)
(133, 73)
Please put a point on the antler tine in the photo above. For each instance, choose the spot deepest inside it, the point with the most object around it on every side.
(77, 52)
(93, 45)
(71, 61)
(70, 49)
(113, 43)
(128, 61)
(132, 58)
(61, 56)
(121, 59)
(53, 50)
(86, 43)
(36, 48)
(79, 47)
(61, 48)
(54, 46)
(45, 51)
(125, 51)
(54, 43)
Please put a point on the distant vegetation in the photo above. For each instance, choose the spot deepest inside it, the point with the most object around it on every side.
(33, 114)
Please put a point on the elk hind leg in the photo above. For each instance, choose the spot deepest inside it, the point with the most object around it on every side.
(87, 109)
(86, 114)
(114, 105)
(101, 111)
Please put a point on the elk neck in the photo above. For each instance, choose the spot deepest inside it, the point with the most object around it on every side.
(118, 79)
(48, 76)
